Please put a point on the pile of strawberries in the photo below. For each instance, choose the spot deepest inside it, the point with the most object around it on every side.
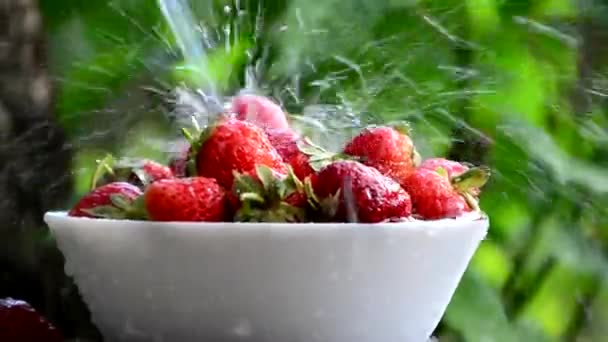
(251, 166)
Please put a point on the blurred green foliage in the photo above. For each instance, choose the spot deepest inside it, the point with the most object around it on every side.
(527, 77)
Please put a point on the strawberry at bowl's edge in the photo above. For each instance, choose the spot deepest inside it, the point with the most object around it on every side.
(411, 223)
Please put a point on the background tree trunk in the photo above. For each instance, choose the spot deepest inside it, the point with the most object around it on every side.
(35, 165)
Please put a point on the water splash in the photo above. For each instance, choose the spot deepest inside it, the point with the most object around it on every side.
(178, 15)
(181, 21)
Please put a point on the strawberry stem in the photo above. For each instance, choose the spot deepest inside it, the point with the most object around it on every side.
(251, 197)
(416, 158)
(119, 201)
(266, 176)
(293, 180)
(402, 127)
(473, 178)
(471, 201)
(103, 166)
(196, 140)
(318, 157)
(263, 196)
(120, 208)
(137, 209)
(186, 133)
(313, 201)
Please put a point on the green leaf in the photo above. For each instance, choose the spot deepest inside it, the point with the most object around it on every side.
(402, 127)
(244, 183)
(556, 8)
(137, 209)
(569, 246)
(317, 155)
(565, 168)
(103, 166)
(312, 198)
(251, 197)
(120, 201)
(188, 136)
(281, 189)
(267, 177)
(484, 16)
(477, 313)
(91, 83)
(292, 213)
(473, 178)
(557, 299)
(331, 204)
(492, 262)
(105, 211)
(220, 67)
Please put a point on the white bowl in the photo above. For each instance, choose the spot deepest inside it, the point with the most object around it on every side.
(151, 281)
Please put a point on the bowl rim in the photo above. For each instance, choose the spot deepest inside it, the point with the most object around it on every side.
(443, 224)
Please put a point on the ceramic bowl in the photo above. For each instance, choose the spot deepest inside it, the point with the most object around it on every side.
(152, 281)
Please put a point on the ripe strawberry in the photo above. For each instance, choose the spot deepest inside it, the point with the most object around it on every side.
(283, 140)
(233, 145)
(291, 148)
(139, 172)
(260, 111)
(390, 150)
(268, 196)
(20, 322)
(351, 191)
(113, 200)
(152, 171)
(453, 168)
(186, 199)
(435, 195)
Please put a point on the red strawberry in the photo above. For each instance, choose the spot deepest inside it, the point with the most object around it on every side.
(435, 196)
(297, 199)
(260, 111)
(140, 172)
(286, 143)
(388, 149)
(20, 322)
(234, 145)
(113, 200)
(453, 168)
(153, 171)
(186, 199)
(283, 140)
(268, 196)
(351, 191)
